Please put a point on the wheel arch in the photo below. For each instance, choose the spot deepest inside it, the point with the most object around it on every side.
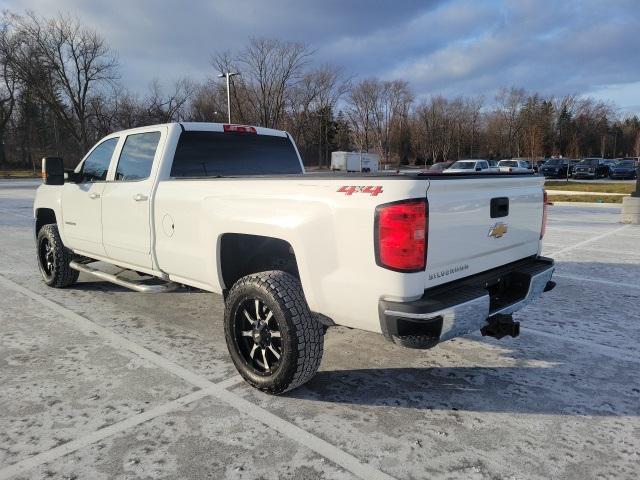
(44, 216)
(242, 254)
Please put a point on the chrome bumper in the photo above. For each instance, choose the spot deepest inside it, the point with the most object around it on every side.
(419, 325)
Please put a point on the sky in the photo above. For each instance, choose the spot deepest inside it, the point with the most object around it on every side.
(447, 47)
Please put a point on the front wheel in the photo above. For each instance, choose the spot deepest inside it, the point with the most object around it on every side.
(274, 341)
(54, 259)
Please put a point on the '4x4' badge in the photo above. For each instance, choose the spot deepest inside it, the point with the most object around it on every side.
(371, 190)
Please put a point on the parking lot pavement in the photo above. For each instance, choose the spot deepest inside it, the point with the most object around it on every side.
(100, 382)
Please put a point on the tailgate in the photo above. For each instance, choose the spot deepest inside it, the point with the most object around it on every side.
(467, 236)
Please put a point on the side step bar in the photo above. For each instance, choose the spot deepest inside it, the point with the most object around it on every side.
(109, 277)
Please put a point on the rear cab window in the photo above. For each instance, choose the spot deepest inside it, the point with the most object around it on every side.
(213, 154)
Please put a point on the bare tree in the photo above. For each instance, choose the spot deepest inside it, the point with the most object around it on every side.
(269, 69)
(509, 102)
(363, 100)
(168, 106)
(310, 108)
(208, 103)
(64, 64)
(7, 88)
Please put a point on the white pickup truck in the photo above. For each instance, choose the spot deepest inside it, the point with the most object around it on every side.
(229, 209)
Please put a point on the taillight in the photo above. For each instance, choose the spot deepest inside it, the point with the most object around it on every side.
(239, 128)
(543, 228)
(401, 235)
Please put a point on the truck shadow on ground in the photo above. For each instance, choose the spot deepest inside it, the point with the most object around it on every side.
(526, 390)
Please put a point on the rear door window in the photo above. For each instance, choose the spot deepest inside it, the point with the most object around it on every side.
(211, 154)
(136, 158)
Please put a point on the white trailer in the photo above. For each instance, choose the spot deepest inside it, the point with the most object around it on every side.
(355, 161)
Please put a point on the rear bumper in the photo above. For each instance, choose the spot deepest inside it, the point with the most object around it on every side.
(465, 305)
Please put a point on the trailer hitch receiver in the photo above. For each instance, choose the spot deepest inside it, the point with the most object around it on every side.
(501, 325)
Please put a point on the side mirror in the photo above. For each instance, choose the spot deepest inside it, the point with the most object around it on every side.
(52, 171)
(71, 176)
(478, 169)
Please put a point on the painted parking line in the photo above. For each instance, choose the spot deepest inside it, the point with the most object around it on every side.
(291, 431)
(605, 350)
(579, 278)
(591, 240)
(70, 447)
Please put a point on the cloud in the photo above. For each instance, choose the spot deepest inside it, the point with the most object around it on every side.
(448, 47)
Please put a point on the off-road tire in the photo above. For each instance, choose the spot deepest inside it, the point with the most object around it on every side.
(302, 339)
(61, 275)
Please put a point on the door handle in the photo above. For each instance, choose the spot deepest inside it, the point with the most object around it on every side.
(94, 195)
(138, 197)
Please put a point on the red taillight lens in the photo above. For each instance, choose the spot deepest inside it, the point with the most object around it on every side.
(401, 235)
(239, 128)
(543, 228)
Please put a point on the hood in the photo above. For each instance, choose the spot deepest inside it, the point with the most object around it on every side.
(623, 169)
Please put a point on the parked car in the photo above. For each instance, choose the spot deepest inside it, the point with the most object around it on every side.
(624, 169)
(555, 168)
(440, 166)
(229, 209)
(469, 166)
(514, 166)
(572, 165)
(591, 168)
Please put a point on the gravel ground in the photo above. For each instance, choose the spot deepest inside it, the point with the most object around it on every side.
(100, 382)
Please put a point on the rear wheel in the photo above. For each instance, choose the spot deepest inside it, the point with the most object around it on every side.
(54, 258)
(274, 341)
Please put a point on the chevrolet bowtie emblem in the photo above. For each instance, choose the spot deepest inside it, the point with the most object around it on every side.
(498, 230)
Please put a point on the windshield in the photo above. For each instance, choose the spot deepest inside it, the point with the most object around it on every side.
(589, 161)
(464, 165)
(553, 161)
(508, 163)
(439, 166)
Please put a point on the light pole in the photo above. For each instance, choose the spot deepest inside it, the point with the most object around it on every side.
(228, 75)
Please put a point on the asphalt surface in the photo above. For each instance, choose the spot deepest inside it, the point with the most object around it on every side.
(100, 382)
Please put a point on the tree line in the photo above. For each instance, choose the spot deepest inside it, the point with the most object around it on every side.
(61, 91)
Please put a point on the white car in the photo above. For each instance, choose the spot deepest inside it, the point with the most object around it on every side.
(514, 166)
(469, 166)
(229, 209)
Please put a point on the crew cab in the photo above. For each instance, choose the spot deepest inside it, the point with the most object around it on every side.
(421, 258)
